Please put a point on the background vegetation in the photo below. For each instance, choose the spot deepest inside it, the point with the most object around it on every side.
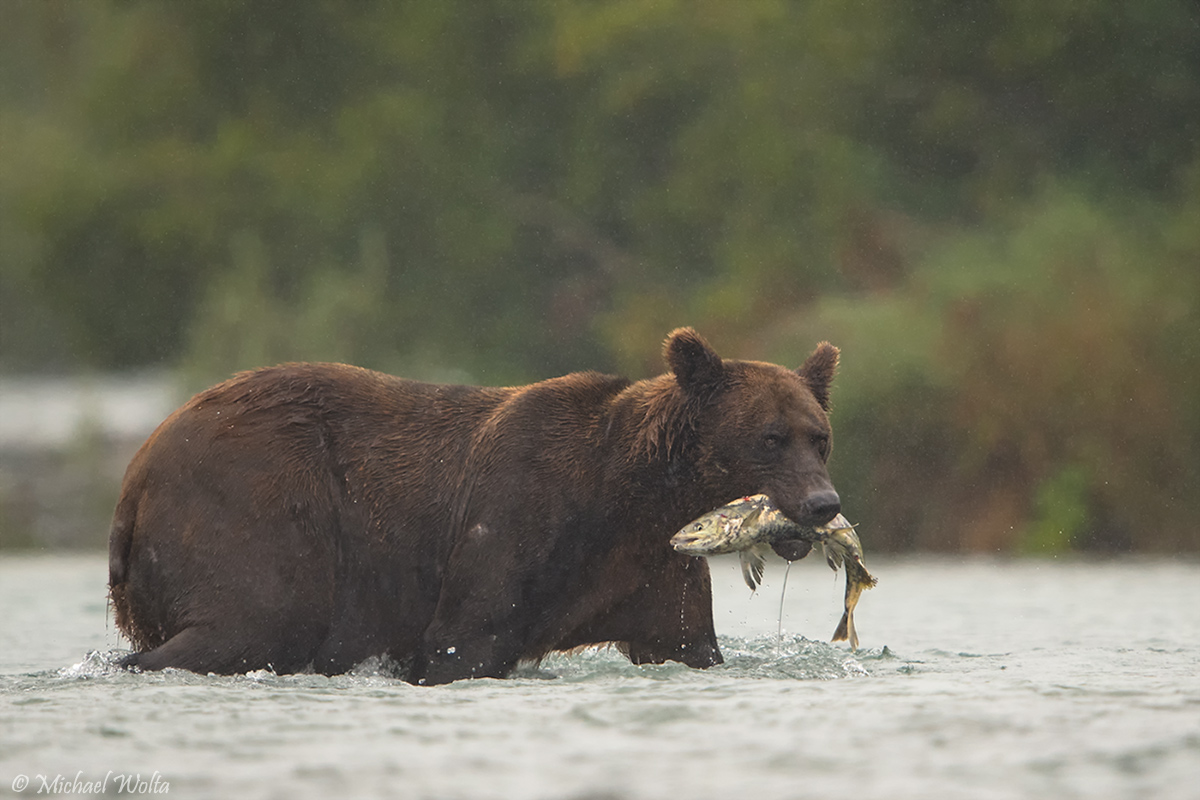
(993, 207)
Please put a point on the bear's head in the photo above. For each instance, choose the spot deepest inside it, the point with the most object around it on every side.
(759, 428)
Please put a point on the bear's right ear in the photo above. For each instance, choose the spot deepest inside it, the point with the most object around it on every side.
(818, 370)
(697, 366)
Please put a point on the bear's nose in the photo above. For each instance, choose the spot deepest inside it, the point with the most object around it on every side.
(823, 506)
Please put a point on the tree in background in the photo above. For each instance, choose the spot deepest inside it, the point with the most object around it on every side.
(992, 207)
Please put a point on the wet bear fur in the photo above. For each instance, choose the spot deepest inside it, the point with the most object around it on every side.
(309, 516)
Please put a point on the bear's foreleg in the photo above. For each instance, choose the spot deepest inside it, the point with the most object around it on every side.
(670, 618)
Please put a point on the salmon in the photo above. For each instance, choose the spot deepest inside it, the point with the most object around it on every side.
(749, 526)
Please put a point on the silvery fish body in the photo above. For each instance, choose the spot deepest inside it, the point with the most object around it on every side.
(746, 526)
(736, 526)
(749, 525)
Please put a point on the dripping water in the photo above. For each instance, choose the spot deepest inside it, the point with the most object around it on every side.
(782, 595)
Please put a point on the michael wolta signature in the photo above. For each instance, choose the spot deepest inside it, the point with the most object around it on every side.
(117, 782)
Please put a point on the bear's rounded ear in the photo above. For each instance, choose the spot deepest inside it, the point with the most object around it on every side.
(697, 366)
(818, 370)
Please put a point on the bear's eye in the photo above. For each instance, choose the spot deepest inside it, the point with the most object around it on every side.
(773, 440)
(821, 442)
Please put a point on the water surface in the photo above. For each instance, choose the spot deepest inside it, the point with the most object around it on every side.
(975, 679)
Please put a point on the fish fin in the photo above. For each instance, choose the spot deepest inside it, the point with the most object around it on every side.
(752, 518)
(753, 565)
(832, 556)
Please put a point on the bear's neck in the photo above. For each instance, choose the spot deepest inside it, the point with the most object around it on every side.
(654, 420)
(654, 450)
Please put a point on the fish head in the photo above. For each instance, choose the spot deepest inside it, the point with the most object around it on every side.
(697, 537)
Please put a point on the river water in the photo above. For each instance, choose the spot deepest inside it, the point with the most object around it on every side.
(975, 679)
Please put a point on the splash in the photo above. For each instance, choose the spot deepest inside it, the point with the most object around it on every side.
(780, 656)
(96, 664)
(792, 657)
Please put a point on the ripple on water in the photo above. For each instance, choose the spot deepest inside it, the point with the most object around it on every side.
(790, 657)
(770, 657)
(982, 699)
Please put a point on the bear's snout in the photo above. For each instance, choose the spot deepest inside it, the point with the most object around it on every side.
(820, 507)
(810, 509)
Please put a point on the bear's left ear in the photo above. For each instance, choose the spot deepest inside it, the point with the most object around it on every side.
(697, 367)
(818, 370)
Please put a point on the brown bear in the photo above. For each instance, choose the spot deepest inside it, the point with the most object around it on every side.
(309, 516)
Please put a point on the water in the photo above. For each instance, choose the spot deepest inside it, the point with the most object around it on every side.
(976, 679)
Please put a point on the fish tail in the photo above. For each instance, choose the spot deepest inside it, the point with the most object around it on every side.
(841, 633)
(846, 632)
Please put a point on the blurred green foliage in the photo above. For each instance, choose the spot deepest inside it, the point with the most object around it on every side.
(992, 207)
(1061, 511)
